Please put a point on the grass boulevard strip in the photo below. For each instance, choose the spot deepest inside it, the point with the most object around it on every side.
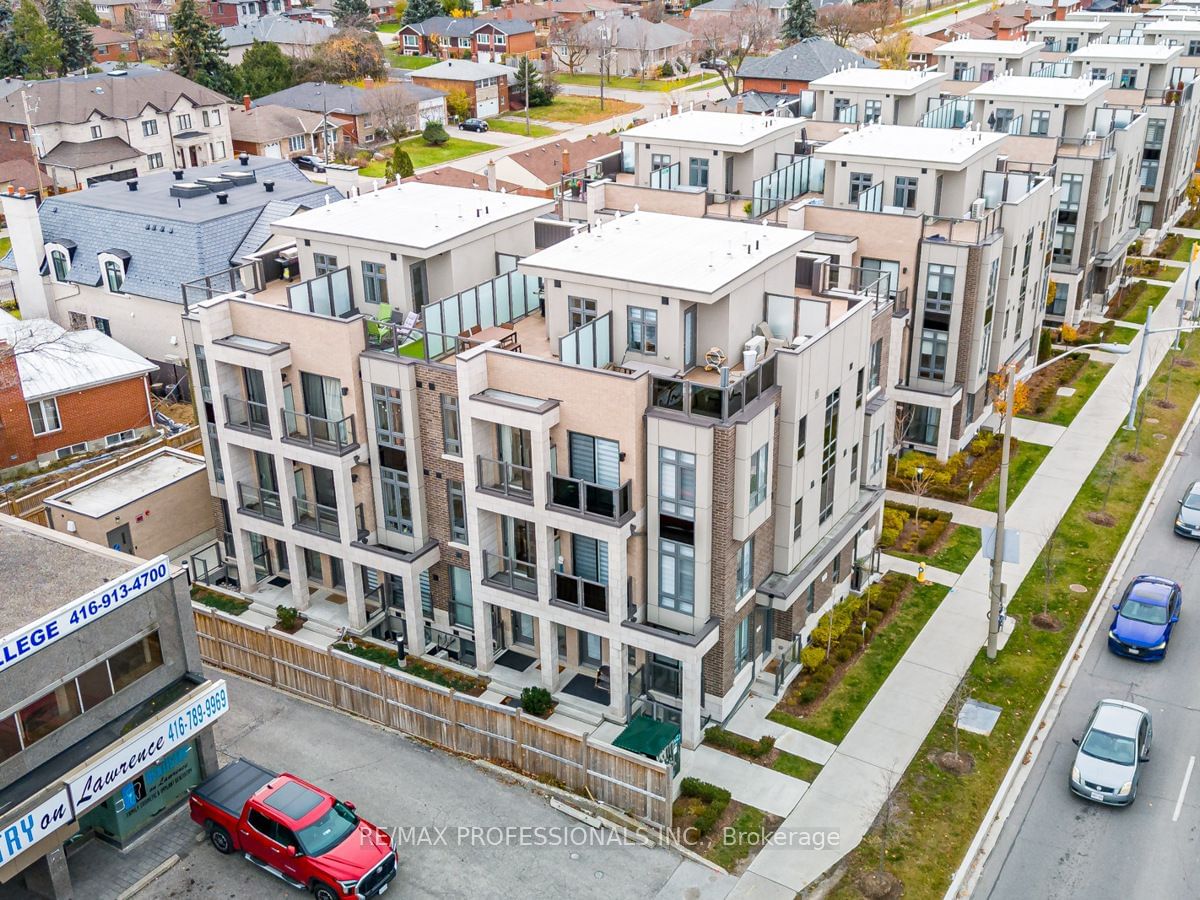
(936, 814)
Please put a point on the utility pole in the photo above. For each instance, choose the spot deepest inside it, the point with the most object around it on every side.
(996, 589)
(37, 168)
(528, 65)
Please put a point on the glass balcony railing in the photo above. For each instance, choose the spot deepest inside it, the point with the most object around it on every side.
(316, 518)
(334, 435)
(506, 478)
(712, 401)
(513, 575)
(587, 499)
(247, 415)
(581, 594)
(261, 502)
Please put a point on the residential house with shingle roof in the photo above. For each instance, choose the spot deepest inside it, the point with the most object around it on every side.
(357, 108)
(485, 40)
(791, 69)
(280, 132)
(120, 251)
(294, 38)
(726, 7)
(114, 46)
(540, 169)
(116, 125)
(637, 46)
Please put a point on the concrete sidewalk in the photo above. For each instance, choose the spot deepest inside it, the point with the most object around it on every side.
(770, 791)
(909, 567)
(847, 795)
(960, 513)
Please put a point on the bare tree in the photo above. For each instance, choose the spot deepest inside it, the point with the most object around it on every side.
(37, 342)
(654, 11)
(958, 701)
(393, 110)
(839, 22)
(918, 486)
(570, 45)
(1049, 564)
(887, 813)
(755, 28)
(877, 19)
(642, 45)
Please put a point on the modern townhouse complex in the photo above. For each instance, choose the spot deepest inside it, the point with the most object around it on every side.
(114, 125)
(627, 467)
(969, 61)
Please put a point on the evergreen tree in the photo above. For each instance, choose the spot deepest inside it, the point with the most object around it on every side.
(76, 39)
(400, 165)
(801, 21)
(265, 69)
(87, 13)
(38, 49)
(351, 13)
(198, 51)
(10, 63)
(420, 10)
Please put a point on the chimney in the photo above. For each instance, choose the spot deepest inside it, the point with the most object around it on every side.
(674, 107)
(178, 173)
(244, 159)
(1028, 13)
(491, 175)
(368, 82)
(29, 249)
(741, 104)
(132, 184)
(246, 102)
(566, 160)
(222, 198)
(996, 25)
(269, 187)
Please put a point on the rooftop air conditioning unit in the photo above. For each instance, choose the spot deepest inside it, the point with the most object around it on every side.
(978, 208)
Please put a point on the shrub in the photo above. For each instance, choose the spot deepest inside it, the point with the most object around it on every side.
(894, 521)
(447, 678)
(667, 70)
(715, 801)
(735, 743)
(1069, 333)
(287, 617)
(1135, 247)
(811, 657)
(843, 652)
(856, 640)
(434, 134)
(536, 701)
(748, 208)
(874, 617)
(933, 532)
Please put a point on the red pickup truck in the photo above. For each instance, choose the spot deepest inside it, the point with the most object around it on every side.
(295, 831)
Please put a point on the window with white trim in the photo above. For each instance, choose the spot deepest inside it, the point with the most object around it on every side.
(64, 452)
(43, 414)
(121, 437)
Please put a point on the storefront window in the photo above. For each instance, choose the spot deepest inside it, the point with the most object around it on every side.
(50, 712)
(10, 741)
(94, 685)
(133, 662)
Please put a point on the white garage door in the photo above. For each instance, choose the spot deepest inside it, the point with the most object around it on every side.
(272, 150)
(485, 108)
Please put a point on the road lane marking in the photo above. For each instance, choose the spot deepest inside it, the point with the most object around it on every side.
(1187, 776)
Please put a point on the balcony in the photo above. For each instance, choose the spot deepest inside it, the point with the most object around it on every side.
(316, 518)
(583, 498)
(247, 415)
(708, 401)
(514, 575)
(260, 502)
(335, 436)
(580, 594)
(495, 476)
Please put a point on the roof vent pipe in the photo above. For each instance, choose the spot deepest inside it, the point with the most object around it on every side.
(244, 159)
(222, 198)
(178, 173)
(269, 187)
(132, 185)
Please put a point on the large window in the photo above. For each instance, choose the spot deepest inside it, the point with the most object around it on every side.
(296, 143)
(676, 576)
(872, 111)
(451, 428)
(934, 347)
(875, 365)
(741, 643)
(758, 477)
(397, 500)
(877, 451)
(324, 264)
(905, 195)
(643, 330)
(829, 454)
(1064, 243)
(698, 172)
(60, 264)
(44, 416)
(939, 287)
(457, 499)
(154, 160)
(580, 311)
(462, 612)
(130, 664)
(923, 428)
(114, 275)
(389, 417)
(374, 277)
(1039, 122)
(677, 483)
(859, 182)
(149, 128)
(745, 570)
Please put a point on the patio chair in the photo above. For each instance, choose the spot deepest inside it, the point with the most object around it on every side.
(376, 328)
(407, 326)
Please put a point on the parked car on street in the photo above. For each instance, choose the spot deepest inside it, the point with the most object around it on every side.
(1187, 522)
(1145, 617)
(1114, 747)
(294, 830)
(312, 163)
(473, 125)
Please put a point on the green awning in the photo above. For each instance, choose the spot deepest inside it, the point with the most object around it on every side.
(647, 737)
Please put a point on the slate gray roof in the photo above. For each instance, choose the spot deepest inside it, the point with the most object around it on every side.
(74, 99)
(73, 155)
(261, 230)
(806, 60)
(172, 240)
(465, 70)
(271, 122)
(627, 33)
(277, 30)
(353, 100)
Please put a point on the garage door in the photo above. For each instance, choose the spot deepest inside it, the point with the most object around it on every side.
(272, 150)
(486, 108)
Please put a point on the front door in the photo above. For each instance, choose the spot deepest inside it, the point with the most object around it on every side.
(689, 338)
(522, 629)
(120, 539)
(729, 174)
(589, 649)
(194, 156)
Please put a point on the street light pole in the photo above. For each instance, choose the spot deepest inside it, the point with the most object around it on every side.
(527, 65)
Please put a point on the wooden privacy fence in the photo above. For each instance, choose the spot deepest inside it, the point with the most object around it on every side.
(28, 505)
(468, 725)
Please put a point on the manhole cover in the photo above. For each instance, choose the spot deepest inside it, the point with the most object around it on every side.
(978, 717)
(1078, 589)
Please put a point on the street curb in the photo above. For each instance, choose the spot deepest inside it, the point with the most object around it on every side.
(966, 877)
(144, 882)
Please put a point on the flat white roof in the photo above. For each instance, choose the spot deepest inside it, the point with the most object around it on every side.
(1031, 87)
(1085, 14)
(109, 492)
(979, 47)
(1072, 25)
(1135, 52)
(1173, 26)
(884, 79)
(935, 146)
(414, 214)
(734, 130)
(679, 253)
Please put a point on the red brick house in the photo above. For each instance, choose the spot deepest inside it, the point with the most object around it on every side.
(484, 40)
(67, 392)
(114, 46)
(485, 84)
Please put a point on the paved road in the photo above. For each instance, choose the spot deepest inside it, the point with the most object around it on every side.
(1056, 845)
(396, 783)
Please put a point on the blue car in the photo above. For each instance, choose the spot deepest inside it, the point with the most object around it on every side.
(1145, 617)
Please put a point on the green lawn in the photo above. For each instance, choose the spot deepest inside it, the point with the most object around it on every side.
(796, 766)
(582, 110)
(635, 84)
(388, 27)
(842, 707)
(1021, 468)
(1122, 335)
(5, 246)
(423, 155)
(941, 811)
(1062, 410)
(939, 13)
(960, 548)
(1167, 273)
(1151, 294)
(1181, 252)
(511, 126)
(745, 834)
(400, 61)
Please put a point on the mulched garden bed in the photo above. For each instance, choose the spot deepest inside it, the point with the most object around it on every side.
(1126, 299)
(705, 815)
(960, 478)
(1086, 333)
(1044, 385)
(902, 532)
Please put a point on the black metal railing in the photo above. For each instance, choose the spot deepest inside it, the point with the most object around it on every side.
(247, 415)
(511, 574)
(588, 499)
(582, 594)
(259, 501)
(335, 435)
(506, 478)
(316, 517)
(712, 401)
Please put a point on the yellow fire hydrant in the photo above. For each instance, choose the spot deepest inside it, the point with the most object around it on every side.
(920, 573)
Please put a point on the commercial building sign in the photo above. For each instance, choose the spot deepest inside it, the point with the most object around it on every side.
(23, 832)
(24, 642)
